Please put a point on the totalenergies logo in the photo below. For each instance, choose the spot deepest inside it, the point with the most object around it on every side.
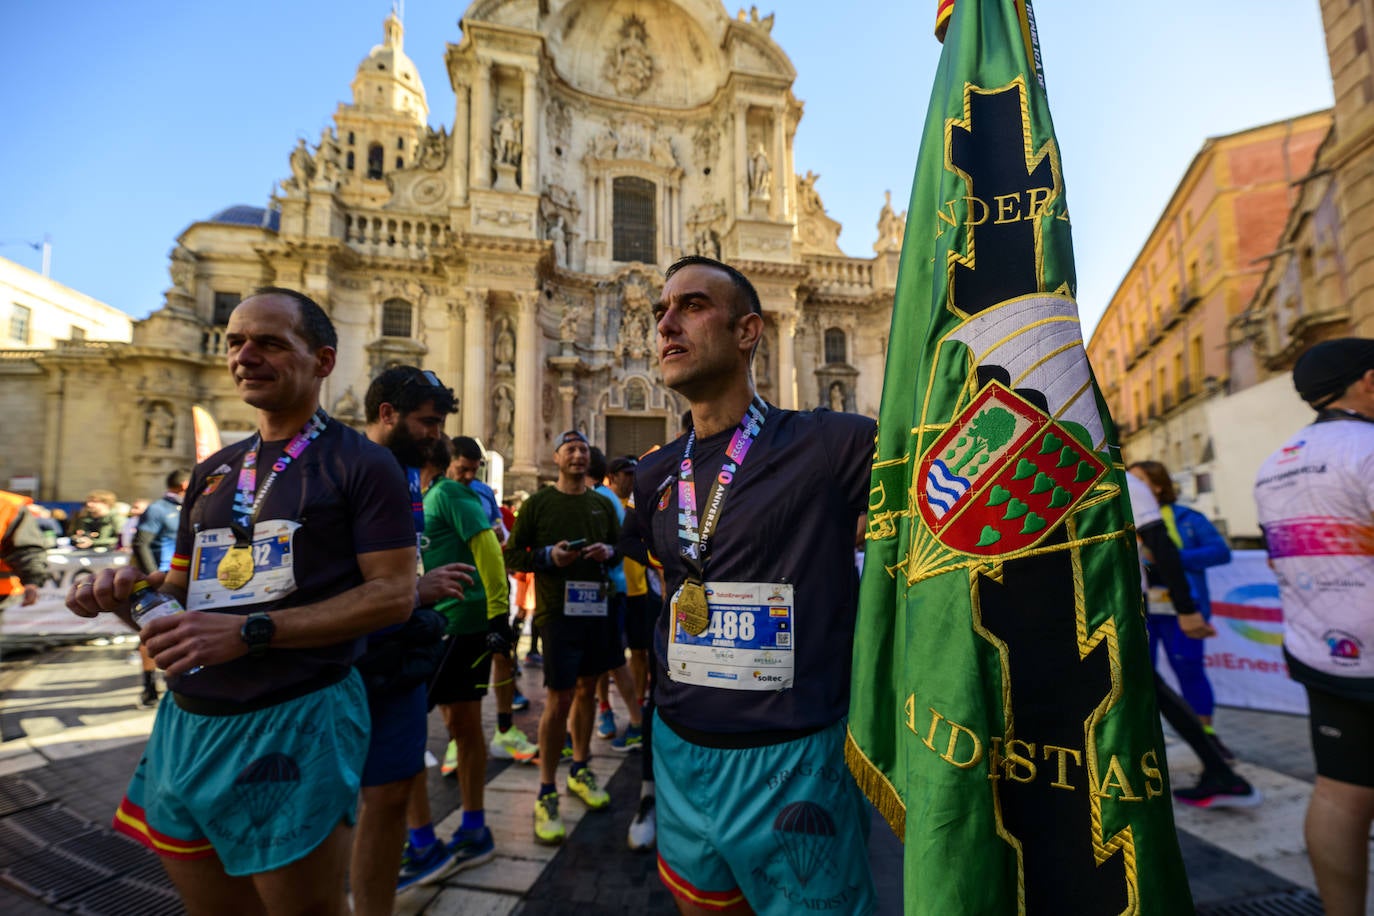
(1345, 647)
(1290, 452)
(1252, 610)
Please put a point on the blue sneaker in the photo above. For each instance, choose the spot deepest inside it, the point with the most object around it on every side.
(519, 702)
(632, 740)
(605, 725)
(470, 848)
(426, 868)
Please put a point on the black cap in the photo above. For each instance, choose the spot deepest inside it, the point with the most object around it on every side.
(623, 463)
(1322, 374)
(571, 435)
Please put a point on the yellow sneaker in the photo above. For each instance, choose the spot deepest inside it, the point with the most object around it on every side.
(583, 784)
(512, 745)
(548, 826)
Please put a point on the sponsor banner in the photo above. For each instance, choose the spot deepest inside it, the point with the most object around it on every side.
(1245, 659)
(49, 616)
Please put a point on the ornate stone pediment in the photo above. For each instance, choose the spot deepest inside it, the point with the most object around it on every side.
(629, 66)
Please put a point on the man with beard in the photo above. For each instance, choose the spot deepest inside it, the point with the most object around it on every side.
(405, 409)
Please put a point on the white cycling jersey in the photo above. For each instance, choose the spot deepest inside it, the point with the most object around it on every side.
(1315, 497)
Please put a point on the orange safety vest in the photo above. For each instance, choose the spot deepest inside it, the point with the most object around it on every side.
(11, 504)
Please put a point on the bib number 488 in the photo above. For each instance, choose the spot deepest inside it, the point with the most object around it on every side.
(732, 625)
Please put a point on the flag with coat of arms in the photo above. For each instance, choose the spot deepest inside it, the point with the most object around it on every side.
(1002, 716)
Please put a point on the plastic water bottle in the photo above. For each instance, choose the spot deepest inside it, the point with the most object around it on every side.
(146, 605)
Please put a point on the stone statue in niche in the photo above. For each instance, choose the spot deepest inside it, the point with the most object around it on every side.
(347, 407)
(503, 407)
(662, 151)
(567, 328)
(760, 174)
(837, 396)
(707, 243)
(159, 427)
(504, 350)
(302, 167)
(559, 236)
(505, 138)
(629, 66)
(808, 198)
(606, 145)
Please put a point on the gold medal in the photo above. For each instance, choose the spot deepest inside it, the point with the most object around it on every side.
(236, 569)
(692, 610)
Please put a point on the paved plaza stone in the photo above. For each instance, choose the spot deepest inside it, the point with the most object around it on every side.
(74, 733)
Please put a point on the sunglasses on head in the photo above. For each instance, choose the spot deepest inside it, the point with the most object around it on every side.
(424, 375)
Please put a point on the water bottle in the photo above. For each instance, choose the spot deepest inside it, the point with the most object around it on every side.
(146, 605)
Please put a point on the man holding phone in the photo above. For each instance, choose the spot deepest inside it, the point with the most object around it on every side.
(563, 535)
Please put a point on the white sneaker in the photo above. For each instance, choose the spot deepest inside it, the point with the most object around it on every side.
(643, 829)
(512, 744)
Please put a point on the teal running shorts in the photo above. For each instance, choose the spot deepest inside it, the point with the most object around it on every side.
(261, 789)
(783, 827)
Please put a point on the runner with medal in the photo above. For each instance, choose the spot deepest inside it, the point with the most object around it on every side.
(752, 515)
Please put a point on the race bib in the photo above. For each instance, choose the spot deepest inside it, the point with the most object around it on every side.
(273, 578)
(749, 643)
(584, 599)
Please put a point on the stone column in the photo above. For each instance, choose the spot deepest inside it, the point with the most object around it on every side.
(528, 349)
(480, 139)
(458, 365)
(567, 392)
(782, 168)
(462, 144)
(741, 162)
(475, 381)
(529, 140)
(787, 360)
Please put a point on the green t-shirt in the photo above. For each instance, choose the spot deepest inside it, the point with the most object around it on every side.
(453, 517)
(550, 516)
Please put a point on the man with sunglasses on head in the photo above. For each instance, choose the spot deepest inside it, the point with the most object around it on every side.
(405, 409)
(294, 544)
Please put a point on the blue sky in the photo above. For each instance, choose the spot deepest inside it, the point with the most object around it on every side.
(128, 121)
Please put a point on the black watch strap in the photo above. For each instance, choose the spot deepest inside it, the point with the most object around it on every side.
(257, 631)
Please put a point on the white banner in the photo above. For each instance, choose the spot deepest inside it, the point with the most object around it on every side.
(49, 615)
(1245, 659)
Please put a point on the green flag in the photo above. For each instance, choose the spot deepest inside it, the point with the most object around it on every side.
(1003, 716)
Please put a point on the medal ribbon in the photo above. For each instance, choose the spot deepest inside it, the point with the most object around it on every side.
(694, 539)
(248, 498)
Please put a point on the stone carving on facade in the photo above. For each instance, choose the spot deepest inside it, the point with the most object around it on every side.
(706, 143)
(634, 138)
(347, 406)
(629, 66)
(837, 396)
(606, 144)
(817, 231)
(765, 22)
(548, 403)
(434, 149)
(302, 168)
(567, 325)
(560, 122)
(505, 138)
(182, 270)
(504, 218)
(411, 290)
(503, 409)
(504, 348)
(328, 156)
(559, 211)
(661, 152)
(760, 174)
(159, 426)
(891, 227)
(558, 235)
(637, 331)
(704, 225)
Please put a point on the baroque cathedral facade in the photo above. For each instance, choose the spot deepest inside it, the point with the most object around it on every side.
(517, 254)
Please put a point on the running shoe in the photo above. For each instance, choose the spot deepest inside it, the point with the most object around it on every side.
(643, 829)
(632, 740)
(519, 702)
(149, 698)
(513, 745)
(548, 826)
(605, 725)
(534, 660)
(565, 756)
(436, 862)
(583, 784)
(1216, 792)
(470, 848)
(450, 767)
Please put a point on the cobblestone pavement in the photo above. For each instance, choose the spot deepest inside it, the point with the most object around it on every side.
(74, 733)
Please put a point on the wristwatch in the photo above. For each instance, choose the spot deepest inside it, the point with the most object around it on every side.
(257, 631)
